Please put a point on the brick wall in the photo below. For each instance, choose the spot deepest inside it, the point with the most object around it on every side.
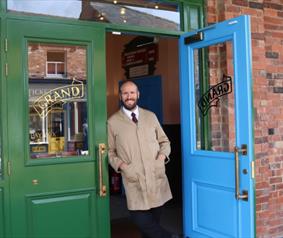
(267, 55)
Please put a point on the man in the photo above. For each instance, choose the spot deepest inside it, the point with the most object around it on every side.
(139, 149)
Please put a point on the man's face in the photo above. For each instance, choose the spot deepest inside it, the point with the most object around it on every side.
(129, 95)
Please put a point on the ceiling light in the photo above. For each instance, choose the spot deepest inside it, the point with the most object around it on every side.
(122, 11)
(115, 2)
(116, 33)
(156, 6)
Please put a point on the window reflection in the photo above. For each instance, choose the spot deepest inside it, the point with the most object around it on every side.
(56, 64)
(146, 13)
(57, 100)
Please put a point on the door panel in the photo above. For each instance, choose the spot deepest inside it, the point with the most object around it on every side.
(59, 210)
(224, 207)
(55, 84)
(216, 116)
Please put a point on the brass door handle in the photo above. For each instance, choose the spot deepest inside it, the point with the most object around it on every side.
(244, 196)
(102, 186)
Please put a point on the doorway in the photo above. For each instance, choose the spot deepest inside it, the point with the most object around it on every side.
(152, 62)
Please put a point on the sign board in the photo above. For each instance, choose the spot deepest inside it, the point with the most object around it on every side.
(140, 61)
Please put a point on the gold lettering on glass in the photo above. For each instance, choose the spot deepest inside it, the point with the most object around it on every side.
(44, 104)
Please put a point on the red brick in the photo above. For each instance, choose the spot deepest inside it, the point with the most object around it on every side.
(275, 180)
(263, 199)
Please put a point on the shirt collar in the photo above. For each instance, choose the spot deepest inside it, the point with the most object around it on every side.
(128, 112)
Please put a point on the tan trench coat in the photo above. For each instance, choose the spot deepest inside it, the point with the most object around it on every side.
(146, 184)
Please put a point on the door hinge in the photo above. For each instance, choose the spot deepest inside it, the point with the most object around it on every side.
(9, 168)
(6, 69)
(6, 45)
(253, 169)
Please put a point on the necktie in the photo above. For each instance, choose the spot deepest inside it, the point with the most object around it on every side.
(134, 119)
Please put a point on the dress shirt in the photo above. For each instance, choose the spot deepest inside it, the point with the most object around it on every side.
(129, 113)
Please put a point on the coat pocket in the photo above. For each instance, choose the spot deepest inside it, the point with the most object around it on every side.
(159, 168)
(130, 174)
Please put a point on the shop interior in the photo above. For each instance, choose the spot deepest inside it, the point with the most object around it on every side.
(151, 62)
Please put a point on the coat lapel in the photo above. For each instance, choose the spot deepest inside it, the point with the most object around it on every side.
(141, 117)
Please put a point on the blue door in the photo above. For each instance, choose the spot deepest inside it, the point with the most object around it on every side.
(217, 131)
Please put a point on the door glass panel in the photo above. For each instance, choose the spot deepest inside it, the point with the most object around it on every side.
(146, 13)
(214, 98)
(57, 100)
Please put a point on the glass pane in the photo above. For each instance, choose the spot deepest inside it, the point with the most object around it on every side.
(60, 68)
(147, 13)
(51, 68)
(215, 114)
(194, 17)
(57, 105)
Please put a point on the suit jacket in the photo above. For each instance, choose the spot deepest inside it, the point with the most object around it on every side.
(138, 145)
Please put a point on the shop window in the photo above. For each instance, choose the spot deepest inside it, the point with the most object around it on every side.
(57, 107)
(146, 13)
(55, 65)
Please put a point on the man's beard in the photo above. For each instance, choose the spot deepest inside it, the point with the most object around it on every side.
(131, 107)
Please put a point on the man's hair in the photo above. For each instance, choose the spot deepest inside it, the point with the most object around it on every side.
(127, 81)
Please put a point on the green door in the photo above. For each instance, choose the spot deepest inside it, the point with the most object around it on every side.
(56, 130)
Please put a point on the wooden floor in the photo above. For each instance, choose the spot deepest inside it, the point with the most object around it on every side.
(123, 228)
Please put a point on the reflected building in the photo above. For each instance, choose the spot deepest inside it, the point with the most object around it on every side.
(57, 100)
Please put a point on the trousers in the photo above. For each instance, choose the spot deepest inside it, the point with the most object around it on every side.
(148, 222)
